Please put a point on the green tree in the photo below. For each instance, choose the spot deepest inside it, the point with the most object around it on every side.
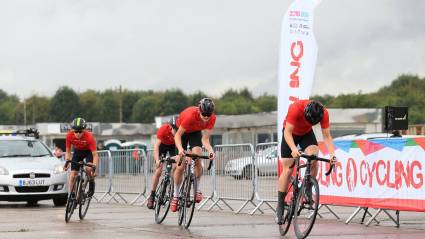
(64, 106)
(194, 98)
(172, 102)
(266, 103)
(236, 102)
(37, 109)
(8, 107)
(8, 112)
(91, 106)
(146, 108)
(129, 99)
(110, 106)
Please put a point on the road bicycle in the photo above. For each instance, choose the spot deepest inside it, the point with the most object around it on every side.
(188, 190)
(304, 203)
(79, 194)
(164, 191)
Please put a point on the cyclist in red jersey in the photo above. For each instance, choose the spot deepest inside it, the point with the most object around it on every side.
(298, 131)
(195, 125)
(84, 148)
(164, 144)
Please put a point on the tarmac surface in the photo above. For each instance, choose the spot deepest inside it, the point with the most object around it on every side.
(104, 221)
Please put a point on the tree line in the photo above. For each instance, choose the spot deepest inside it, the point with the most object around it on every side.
(116, 105)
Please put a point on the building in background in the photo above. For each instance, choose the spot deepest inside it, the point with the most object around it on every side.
(261, 127)
(229, 129)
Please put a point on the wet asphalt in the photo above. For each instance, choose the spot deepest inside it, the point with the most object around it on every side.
(105, 221)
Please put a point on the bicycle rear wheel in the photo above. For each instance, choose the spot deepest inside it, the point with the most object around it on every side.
(306, 207)
(71, 203)
(85, 200)
(163, 196)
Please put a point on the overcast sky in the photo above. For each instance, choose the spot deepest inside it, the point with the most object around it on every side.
(208, 45)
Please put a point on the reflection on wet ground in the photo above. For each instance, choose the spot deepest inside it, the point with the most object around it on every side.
(122, 221)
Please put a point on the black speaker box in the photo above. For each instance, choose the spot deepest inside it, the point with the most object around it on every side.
(395, 118)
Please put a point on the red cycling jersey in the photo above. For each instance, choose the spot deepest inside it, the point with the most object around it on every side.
(165, 134)
(85, 142)
(191, 121)
(296, 117)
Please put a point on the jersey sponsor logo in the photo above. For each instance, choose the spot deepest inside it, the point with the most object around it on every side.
(79, 143)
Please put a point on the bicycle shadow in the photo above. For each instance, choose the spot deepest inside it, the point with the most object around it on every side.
(24, 205)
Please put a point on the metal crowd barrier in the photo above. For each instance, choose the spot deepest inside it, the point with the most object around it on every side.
(150, 169)
(207, 184)
(129, 175)
(234, 175)
(239, 174)
(266, 166)
(104, 175)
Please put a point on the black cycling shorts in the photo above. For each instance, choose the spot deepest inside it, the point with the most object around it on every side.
(300, 140)
(80, 155)
(193, 139)
(170, 149)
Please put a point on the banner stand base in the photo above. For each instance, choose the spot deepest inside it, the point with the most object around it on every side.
(395, 220)
(329, 209)
(363, 217)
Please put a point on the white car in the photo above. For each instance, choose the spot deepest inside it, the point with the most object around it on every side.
(242, 168)
(29, 171)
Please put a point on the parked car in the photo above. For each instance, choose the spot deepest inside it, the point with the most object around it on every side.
(29, 171)
(242, 168)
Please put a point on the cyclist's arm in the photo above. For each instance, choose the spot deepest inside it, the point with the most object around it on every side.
(206, 140)
(327, 138)
(68, 154)
(178, 139)
(287, 134)
(68, 147)
(95, 158)
(156, 150)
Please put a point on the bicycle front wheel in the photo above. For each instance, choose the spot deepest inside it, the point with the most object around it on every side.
(71, 203)
(189, 208)
(187, 201)
(306, 207)
(181, 206)
(163, 196)
(288, 213)
(85, 200)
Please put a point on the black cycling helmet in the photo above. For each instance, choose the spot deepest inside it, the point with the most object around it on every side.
(173, 123)
(78, 124)
(313, 112)
(206, 107)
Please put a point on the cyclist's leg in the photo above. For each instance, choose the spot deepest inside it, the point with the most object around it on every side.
(71, 180)
(155, 177)
(195, 142)
(76, 157)
(178, 176)
(89, 171)
(309, 145)
(284, 178)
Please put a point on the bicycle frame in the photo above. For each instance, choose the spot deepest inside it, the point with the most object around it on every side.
(187, 201)
(80, 184)
(165, 183)
(297, 184)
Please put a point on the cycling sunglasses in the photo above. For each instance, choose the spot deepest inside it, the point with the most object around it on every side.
(206, 114)
(78, 131)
